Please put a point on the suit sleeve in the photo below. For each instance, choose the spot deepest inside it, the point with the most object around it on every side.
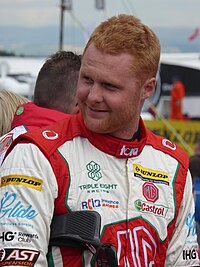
(27, 193)
(183, 247)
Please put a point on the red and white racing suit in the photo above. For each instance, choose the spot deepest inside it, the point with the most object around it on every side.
(142, 190)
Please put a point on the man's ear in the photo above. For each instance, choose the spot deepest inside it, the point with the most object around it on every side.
(75, 109)
(148, 88)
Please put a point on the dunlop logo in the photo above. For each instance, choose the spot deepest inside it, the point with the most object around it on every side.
(23, 180)
(150, 175)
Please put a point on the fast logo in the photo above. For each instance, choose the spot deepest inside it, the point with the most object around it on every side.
(18, 257)
(24, 180)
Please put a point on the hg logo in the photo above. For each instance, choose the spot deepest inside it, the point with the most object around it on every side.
(7, 236)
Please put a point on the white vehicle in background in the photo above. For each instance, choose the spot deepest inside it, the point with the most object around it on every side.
(18, 74)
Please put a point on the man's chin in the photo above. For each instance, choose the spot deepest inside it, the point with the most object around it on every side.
(96, 127)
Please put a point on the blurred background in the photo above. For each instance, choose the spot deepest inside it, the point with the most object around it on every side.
(31, 30)
(32, 27)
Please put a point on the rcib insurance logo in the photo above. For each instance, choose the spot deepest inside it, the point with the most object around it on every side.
(91, 204)
(18, 257)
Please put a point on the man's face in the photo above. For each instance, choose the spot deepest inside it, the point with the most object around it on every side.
(109, 94)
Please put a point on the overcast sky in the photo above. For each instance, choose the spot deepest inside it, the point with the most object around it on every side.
(34, 13)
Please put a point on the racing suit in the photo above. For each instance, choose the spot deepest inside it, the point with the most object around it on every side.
(28, 117)
(142, 189)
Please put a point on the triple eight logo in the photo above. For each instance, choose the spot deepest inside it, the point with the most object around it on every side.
(146, 207)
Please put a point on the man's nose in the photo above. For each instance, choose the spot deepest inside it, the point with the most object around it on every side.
(95, 94)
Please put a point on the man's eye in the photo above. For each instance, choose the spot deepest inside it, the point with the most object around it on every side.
(88, 80)
(109, 86)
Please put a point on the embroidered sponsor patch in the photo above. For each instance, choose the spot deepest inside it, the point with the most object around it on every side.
(150, 175)
(23, 180)
(12, 207)
(50, 135)
(94, 170)
(91, 204)
(150, 208)
(191, 225)
(129, 151)
(150, 192)
(190, 254)
(98, 188)
(18, 257)
(18, 236)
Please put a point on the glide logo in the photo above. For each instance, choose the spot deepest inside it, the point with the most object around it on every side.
(11, 207)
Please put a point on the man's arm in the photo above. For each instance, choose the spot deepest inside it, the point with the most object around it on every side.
(27, 193)
(182, 250)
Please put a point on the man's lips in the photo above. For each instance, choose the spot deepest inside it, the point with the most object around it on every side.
(96, 109)
(94, 112)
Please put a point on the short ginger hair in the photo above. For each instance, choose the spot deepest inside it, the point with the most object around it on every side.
(127, 34)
